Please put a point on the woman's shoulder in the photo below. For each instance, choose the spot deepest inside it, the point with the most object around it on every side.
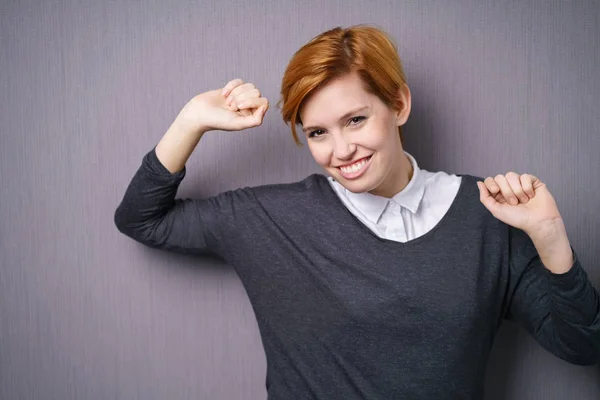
(308, 186)
(447, 178)
(468, 204)
(293, 202)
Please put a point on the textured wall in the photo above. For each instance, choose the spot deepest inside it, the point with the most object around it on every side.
(87, 87)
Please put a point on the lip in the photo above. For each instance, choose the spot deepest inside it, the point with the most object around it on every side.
(357, 174)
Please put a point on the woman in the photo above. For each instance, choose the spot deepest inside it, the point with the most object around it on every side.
(383, 280)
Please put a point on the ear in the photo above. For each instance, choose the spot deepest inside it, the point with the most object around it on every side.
(403, 105)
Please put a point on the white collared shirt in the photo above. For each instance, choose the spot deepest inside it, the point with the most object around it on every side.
(412, 212)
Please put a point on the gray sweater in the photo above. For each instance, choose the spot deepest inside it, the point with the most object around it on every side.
(344, 314)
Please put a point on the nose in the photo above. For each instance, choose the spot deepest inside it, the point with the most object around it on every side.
(342, 149)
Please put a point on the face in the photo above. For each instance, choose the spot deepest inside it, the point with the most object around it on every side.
(354, 136)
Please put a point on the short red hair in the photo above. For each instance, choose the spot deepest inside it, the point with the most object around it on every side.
(362, 49)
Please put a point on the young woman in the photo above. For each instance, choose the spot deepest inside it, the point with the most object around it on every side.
(382, 280)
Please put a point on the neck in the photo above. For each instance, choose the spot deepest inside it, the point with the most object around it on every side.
(397, 180)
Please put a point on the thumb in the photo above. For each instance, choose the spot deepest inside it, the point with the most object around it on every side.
(486, 198)
(251, 119)
(259, 114)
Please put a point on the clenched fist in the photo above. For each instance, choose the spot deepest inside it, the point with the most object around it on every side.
(235, 107)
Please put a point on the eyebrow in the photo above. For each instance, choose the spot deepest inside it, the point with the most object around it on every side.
(342, 118)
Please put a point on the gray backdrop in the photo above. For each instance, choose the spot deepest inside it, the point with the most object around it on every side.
(88, 87)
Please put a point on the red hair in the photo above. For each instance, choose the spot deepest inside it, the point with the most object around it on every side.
(362, 49)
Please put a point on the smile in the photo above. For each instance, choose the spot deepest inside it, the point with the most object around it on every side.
(356, 169)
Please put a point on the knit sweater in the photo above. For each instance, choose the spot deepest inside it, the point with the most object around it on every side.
(345, 314)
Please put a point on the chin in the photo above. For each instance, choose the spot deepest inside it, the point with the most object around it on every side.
(356, 190)
(360, 185)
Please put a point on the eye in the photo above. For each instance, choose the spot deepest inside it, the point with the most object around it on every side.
(316, 132)
(356, 120)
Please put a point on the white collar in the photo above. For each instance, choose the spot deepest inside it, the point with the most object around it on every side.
(372, 206)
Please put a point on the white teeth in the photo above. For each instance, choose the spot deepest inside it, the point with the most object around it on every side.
(354, 167)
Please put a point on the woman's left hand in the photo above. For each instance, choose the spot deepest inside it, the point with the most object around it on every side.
(522, 201)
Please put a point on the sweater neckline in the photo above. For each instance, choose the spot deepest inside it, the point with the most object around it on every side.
(454, 208)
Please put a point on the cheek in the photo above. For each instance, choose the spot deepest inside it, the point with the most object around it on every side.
(388, 134)
(321, 153)
(377, 137)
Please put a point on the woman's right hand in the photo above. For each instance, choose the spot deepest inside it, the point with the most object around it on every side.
(235, 107)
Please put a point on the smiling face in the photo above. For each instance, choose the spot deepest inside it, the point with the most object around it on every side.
(354, 136)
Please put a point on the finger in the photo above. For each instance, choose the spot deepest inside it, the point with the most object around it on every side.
(494, 190)
(252, 120)
(252, 103)
(500, 198)
(483, 190)
(486, 198)
(237, 90)
(514, 181)
(506, 190)
(259, 114)
(248, 94)
(245, 113)
(527, 184)
(230, 86)
(491, 185)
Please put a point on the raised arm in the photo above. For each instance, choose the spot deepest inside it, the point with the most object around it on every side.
(149, 212)
(549, 292)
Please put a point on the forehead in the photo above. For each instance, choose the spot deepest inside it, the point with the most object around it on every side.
(335, 99)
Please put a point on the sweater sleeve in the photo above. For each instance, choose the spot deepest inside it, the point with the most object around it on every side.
(150, 214)
(561, 311)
